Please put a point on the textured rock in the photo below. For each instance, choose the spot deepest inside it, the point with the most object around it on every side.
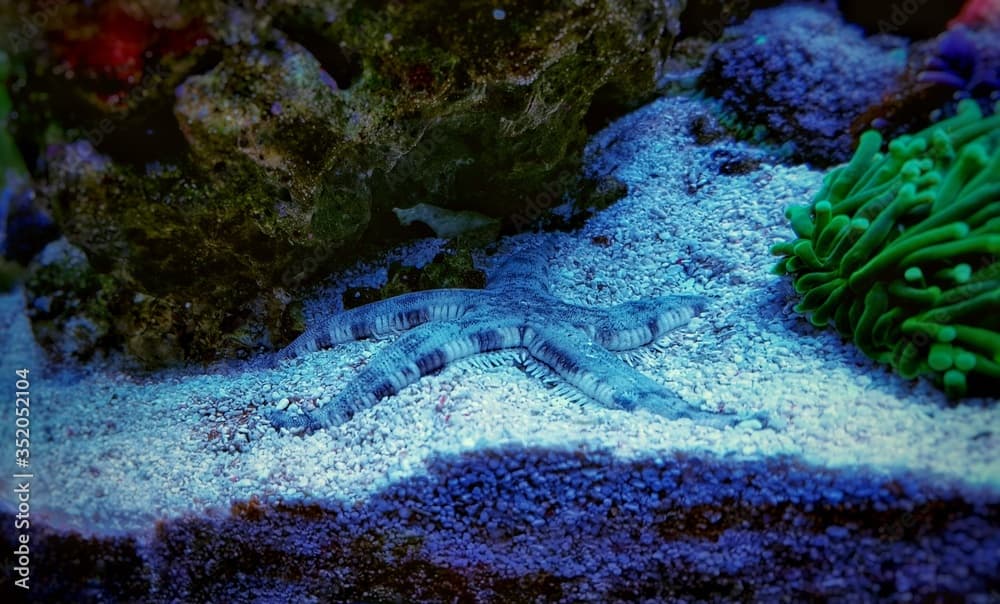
(24, 228)
(194, 276)
(71, 305)
(799, 76)
(275, 117)
(254, 157)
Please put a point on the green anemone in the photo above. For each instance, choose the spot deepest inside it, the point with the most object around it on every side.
(900, 251)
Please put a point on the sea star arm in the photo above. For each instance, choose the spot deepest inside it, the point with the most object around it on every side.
(383, 318)
(419, 352)
(634, 324)
(526, 270)
(607, 379)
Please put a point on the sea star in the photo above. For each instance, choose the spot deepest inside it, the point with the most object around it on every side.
(514, 310)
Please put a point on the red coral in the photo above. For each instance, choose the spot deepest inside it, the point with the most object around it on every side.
(115, 48)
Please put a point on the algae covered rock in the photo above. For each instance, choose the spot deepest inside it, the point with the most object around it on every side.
(275, 117)
(276, 144)
(193, 274)
(70, 307)
(899, 251)
(479, 107)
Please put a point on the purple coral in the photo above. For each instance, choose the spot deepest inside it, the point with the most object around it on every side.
(964, 63)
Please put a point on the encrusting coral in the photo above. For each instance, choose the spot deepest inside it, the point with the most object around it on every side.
(901, 251)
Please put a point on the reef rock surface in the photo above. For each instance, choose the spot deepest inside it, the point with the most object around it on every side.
(213, 159)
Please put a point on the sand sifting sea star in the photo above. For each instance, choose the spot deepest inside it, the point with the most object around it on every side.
(515, 310)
